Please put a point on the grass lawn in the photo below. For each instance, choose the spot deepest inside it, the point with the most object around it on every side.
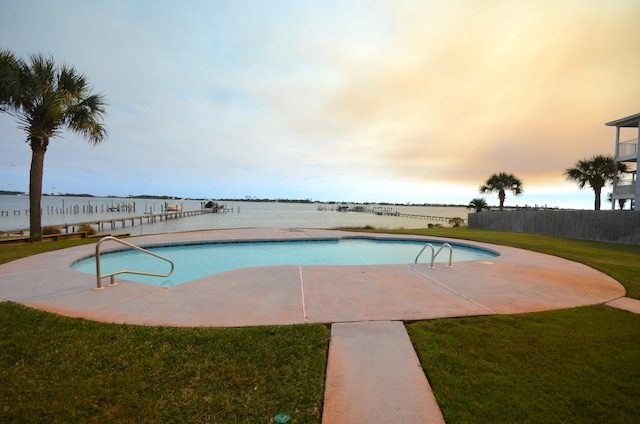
(575, 365)
(58, 369)
(578, 365)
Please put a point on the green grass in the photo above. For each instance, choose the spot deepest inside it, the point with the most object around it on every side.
(58, 369)
(575, 365)
(11, 253)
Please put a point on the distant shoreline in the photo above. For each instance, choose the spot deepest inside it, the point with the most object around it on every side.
(245, 199)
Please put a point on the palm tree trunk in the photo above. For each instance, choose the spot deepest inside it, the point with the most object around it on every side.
(38, 148)
(597, 191)
(501, 196)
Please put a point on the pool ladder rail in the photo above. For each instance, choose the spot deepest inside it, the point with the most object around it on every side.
(435, 253)
(99, 276)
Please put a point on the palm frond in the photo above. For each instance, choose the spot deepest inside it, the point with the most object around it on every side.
(46, 97)
(504, 182)
(9, 71)
(596, 171)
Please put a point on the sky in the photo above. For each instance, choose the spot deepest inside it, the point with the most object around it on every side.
(400, 101)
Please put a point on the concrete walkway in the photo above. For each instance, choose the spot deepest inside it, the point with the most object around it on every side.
(626, 303)
(373, 373)
(374, 376)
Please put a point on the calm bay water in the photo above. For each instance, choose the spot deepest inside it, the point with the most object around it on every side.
(245, 214)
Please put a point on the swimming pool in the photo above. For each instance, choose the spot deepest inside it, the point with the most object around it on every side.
(193, 261)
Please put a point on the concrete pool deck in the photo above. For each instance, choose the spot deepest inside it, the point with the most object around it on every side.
(363, 303)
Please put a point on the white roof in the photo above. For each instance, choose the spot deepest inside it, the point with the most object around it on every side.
(629, 121)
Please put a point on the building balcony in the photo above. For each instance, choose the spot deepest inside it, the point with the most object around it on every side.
(626, 187)
(627, 150)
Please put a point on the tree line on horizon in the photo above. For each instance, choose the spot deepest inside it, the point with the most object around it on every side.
(46, 98)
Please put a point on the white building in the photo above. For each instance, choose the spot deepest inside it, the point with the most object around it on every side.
(627, 186)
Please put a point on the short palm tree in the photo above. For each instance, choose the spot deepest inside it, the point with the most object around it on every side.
(44, 98)
(621, 202)
(596, 171)
(478, 205)
(502, 183)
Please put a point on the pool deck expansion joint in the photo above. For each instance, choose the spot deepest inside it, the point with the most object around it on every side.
(435, 280)
(304, 307)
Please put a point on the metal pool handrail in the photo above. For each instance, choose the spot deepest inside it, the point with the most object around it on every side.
(434, 253)
(99, 277)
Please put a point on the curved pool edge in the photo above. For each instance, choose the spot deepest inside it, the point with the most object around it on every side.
(482, 253)
(516, 281)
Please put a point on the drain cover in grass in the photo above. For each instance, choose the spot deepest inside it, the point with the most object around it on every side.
(281, 418)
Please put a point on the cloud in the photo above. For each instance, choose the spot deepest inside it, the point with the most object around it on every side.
(387, 99)
(469, 90)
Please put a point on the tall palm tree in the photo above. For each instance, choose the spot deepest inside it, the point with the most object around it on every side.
(478, 205)
(596, 171)
(45, 98)
(501, 183)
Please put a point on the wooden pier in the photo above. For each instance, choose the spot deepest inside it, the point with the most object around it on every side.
(121, 222)
(147, 218)
(389, 211)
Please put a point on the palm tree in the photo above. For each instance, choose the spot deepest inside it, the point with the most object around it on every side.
(596, 171)
(478, 205)
(44, 98)
(621, 202)
(502, 182)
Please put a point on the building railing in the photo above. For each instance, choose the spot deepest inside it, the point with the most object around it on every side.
(626, 182)
(628, 148)
(624, 187)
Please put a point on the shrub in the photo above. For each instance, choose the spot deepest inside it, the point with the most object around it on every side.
(48, 229)
(456, 222)
(87, 228)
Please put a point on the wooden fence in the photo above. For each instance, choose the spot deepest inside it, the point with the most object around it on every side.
(609, 226)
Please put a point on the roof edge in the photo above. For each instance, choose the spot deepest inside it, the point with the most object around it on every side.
(628, 121)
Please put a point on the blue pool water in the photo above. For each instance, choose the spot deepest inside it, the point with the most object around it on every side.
(199, 260)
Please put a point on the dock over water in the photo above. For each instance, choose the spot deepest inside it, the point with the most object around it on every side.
(382, 210)
(120, 222)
